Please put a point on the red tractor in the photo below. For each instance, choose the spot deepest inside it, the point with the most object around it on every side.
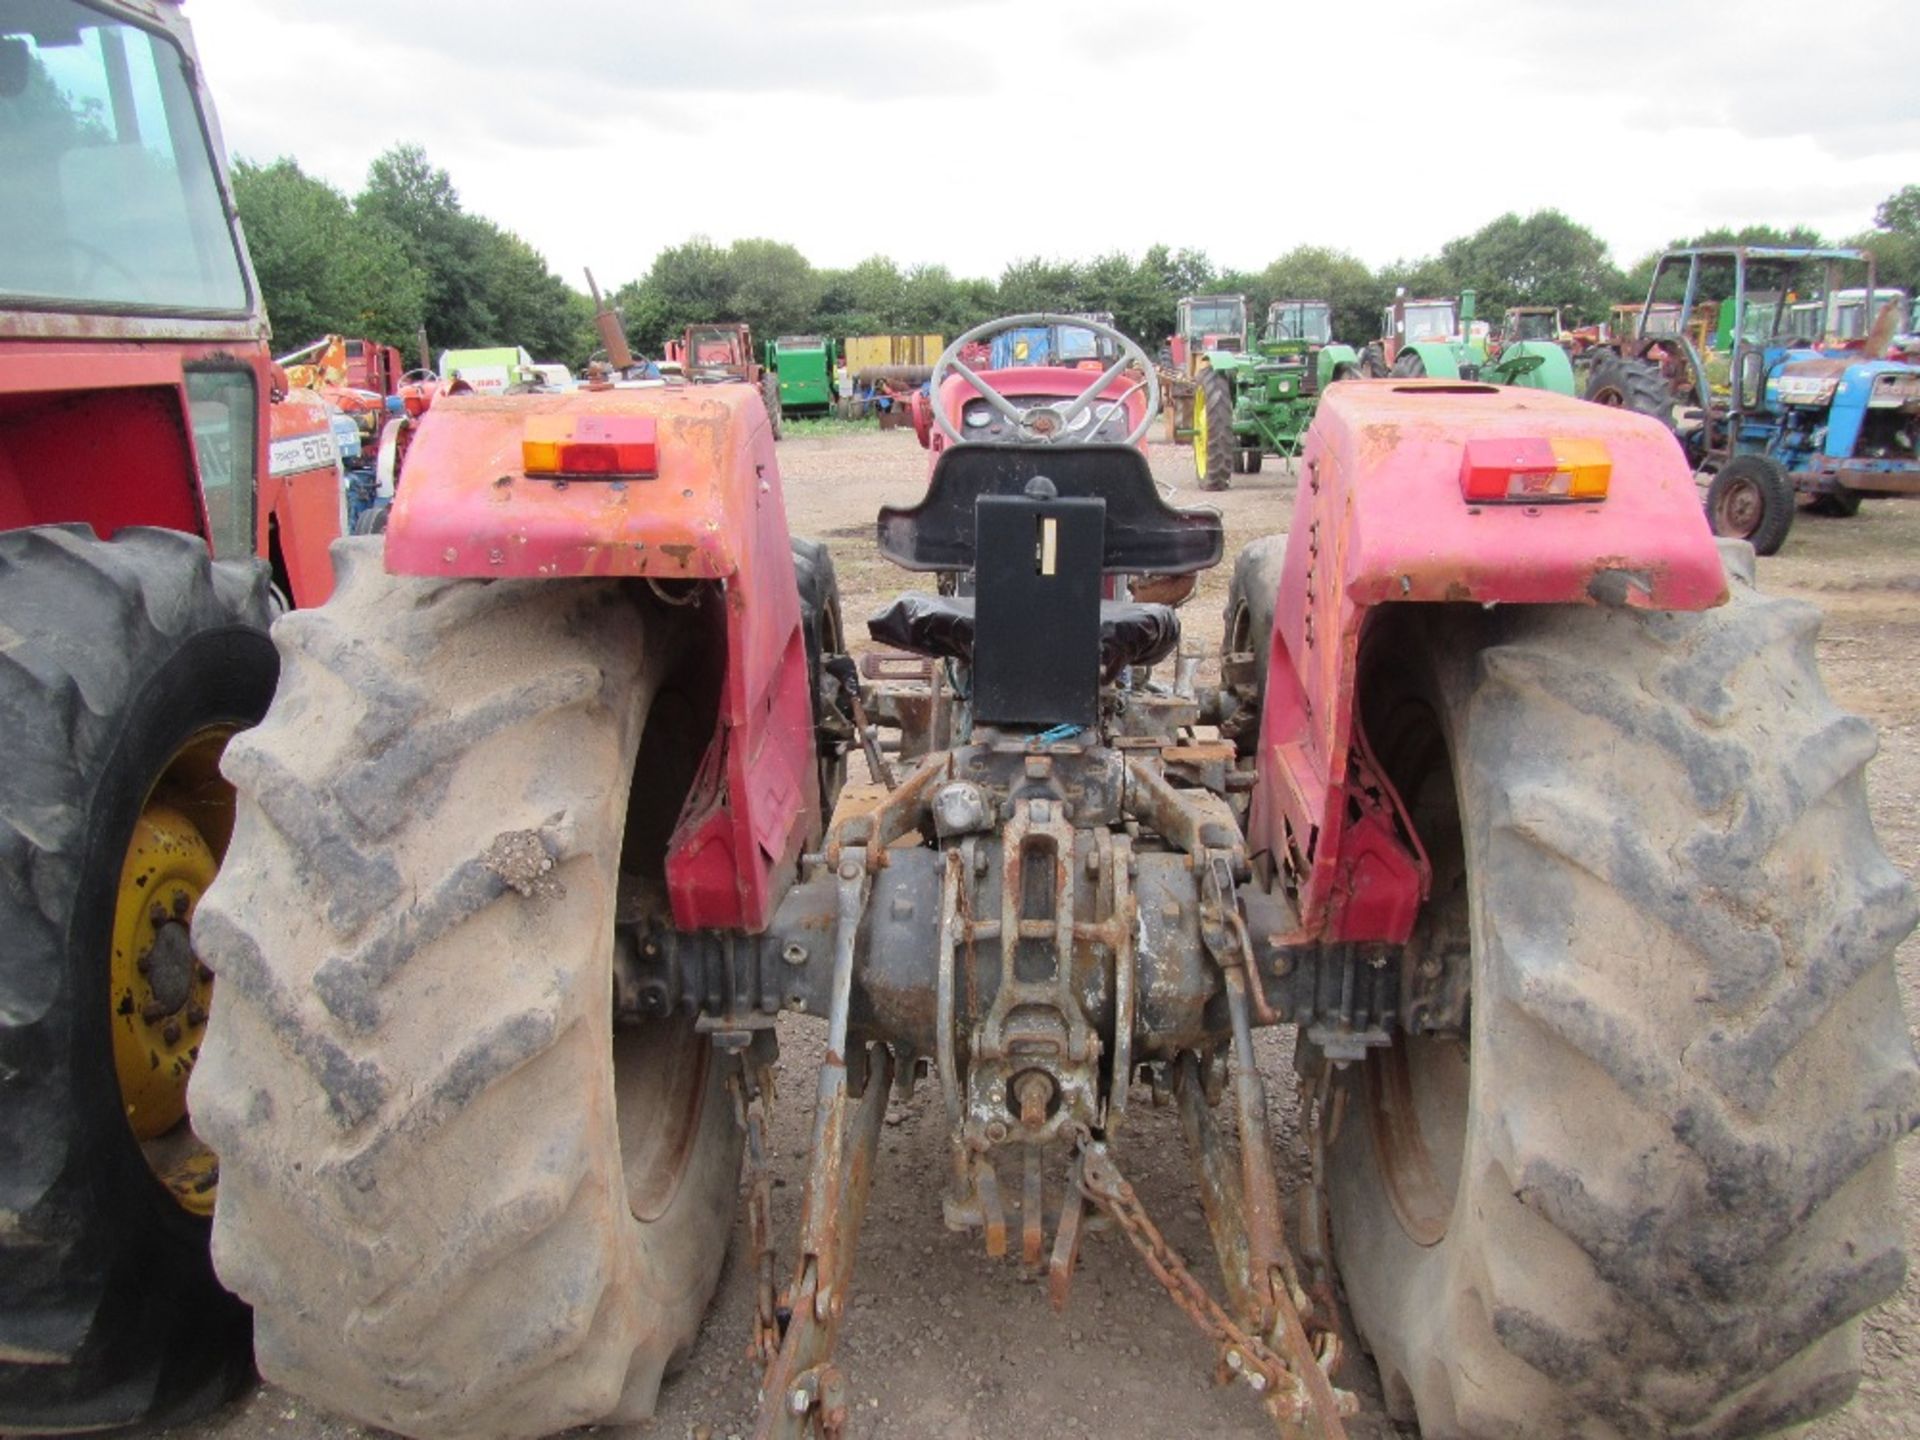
(723, 352)
(160, 499)
(1517, 803)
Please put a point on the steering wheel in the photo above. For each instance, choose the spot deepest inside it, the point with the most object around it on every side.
(1049, 424)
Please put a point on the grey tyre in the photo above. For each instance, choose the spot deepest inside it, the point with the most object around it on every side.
(128, 663)
(826, 636)
(1645, 1187)
(1409, 366)
(461, 1201)
(1247, 629)
(770, 392)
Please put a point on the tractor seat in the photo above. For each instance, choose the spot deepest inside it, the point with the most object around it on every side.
(942, 627)
(1143, 535)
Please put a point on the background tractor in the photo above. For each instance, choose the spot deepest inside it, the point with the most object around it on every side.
(802, 367)
(1433, 338)
(162, 494)
(1250, 408)
(715, 353)
(1767, 410)
(1508, 771)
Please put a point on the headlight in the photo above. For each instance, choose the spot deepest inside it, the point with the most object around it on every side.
(980, 414)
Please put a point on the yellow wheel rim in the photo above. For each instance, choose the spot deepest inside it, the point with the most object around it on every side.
(1200, 432)
(158, 992)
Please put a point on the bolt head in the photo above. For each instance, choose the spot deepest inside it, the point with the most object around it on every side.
(798, 1402)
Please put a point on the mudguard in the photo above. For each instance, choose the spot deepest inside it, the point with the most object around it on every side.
(1381, 519)
(1554, 372)
(712, 510)
(1334, 362)
(1439, 357)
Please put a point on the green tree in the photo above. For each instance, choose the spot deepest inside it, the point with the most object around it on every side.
(1543, 259)
(1034, 285)
(418, 200)
(1313, 272)
(772, 287)
(322, 268)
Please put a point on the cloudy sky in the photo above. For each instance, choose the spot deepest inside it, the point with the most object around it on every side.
(972, 132)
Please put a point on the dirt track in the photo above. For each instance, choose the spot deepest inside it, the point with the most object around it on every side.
(944, 1343)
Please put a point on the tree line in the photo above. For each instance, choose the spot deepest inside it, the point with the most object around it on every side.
(404, 253)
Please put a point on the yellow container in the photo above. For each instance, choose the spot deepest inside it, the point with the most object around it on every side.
(867, 352)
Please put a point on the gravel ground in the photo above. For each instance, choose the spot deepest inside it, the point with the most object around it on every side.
(942, 1342)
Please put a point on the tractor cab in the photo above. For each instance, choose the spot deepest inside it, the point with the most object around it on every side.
(1205, 326)
(1299, 322)
(1530, 322)
(1041, 504)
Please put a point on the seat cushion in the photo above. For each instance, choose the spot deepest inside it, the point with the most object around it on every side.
(942, 626)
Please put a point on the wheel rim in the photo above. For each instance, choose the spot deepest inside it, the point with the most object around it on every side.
(1200, 432)
(660, 1071)
(158, 992)
(1418, 1091)
(1738, 508)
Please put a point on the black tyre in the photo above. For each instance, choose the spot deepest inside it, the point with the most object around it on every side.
(1751, 498)
(1643, 1184)
(463, 1201)
(1624, 384)
(1214, 445)
(129, 664)
(1250, 459)
(1373, 361)
(770, 392)
(1248, 630)
(1408, 365)
(819, 589)
(373, 520)
(1839, 503)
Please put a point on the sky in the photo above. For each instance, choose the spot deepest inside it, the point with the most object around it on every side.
(974, 132)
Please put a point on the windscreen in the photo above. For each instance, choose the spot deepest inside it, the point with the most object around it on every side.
(108, 192)
(1312, 323)
(1430, 322)
(1216, 317)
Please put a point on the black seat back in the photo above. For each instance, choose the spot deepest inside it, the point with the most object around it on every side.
(1143, 535)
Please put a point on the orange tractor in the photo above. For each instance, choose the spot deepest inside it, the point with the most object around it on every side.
(1516, 802)
(163, 492)
(724, 352)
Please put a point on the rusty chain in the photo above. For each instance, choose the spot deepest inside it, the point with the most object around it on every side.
(1242, 1353)
(752, 1088)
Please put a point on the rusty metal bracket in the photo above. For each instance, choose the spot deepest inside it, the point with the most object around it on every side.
(802, 1387)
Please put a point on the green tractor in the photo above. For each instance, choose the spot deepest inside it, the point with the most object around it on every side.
(1249, 406)
(1437, 339)
(803, 366)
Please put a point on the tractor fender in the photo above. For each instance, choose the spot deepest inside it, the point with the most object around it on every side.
(1441, 360)
(711, 510)
(1384, 520)
(1554, 372)
(1336, 362)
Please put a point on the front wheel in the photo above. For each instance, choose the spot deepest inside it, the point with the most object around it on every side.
(1750, 498)
(1638, 1179)
(462, 1201)
(770, 392)
(1214, 446)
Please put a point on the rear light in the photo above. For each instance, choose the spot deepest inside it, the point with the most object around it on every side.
(1532, 471)
(590, 447)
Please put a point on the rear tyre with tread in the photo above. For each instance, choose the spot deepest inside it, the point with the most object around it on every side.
(1214, 445)
(463, 1202)
(124, 654)
(1626, 384)
(1248, 627)
(1652, 1191)
(825, 634)
(770, 392)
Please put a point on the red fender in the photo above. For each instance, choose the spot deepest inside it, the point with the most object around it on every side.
(713, 510)
(1381, 518)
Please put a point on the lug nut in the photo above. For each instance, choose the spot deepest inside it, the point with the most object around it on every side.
(170, 1032)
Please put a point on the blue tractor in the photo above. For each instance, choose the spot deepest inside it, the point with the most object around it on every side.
(1768, 407)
